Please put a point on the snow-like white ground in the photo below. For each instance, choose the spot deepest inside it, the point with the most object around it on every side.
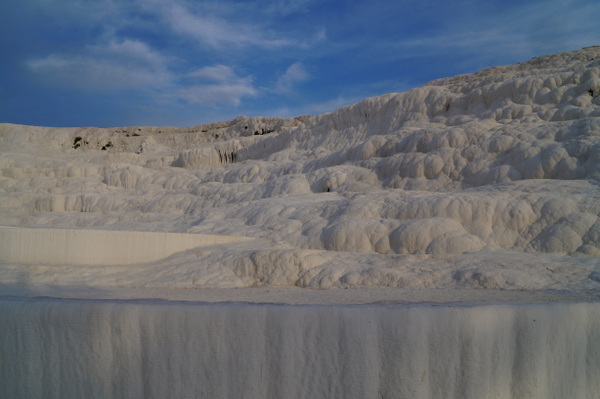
(488, 180)
(481, 188)
(164, 349)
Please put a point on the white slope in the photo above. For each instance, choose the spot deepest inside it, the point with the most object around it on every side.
(487, 180)
(162, 349)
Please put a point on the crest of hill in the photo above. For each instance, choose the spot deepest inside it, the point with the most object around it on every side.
(133, 138)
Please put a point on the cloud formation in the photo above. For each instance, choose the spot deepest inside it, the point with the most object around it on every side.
(216, 32)
(118, 61)
(216, 84)
(116, 65)
(295, 73)
(127, 65)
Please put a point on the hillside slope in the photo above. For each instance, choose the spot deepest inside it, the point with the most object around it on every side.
(487, 180)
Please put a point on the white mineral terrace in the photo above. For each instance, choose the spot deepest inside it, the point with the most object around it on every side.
(156, 349)
(97, 247)
(443, 242)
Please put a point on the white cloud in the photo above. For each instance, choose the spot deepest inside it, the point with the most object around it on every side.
(220, 73)
(133, 50)
(321, 35)
(296, 73)
(216, 32)
(228, 93)
(132, 64)
(117, 65)
(219, 85)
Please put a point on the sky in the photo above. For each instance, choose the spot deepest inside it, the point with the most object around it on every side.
(108, 63)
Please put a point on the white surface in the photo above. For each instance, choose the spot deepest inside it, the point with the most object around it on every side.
(97, 247)
(157, 349)
(488, 180)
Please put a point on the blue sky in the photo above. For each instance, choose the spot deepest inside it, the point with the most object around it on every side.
(181, 63)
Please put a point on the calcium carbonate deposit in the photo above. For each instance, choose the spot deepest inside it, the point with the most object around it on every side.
(432, 205)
